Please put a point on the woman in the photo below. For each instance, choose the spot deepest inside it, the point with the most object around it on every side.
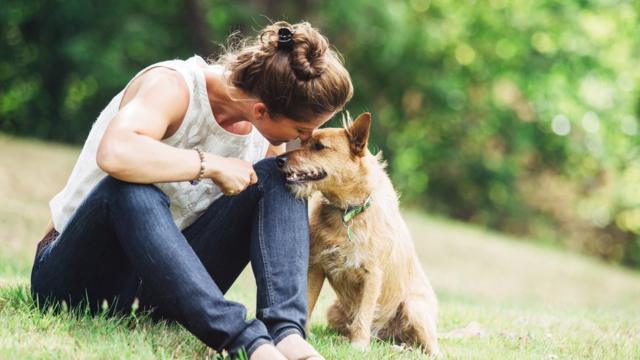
(172, 195)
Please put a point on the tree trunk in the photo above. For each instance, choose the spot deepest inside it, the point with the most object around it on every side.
(198, 28)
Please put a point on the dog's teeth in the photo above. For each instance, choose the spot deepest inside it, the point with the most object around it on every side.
(304, 175)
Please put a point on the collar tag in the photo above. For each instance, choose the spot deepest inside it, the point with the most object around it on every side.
(352, 211)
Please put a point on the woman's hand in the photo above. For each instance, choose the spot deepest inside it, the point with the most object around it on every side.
(230, 174)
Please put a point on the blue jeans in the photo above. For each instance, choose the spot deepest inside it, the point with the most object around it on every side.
(122, 243)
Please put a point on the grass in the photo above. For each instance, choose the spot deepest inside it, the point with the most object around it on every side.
(527, 301)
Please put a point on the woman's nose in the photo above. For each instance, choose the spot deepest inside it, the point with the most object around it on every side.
(304, 137)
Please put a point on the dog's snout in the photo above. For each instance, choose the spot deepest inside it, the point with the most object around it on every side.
(281, 161)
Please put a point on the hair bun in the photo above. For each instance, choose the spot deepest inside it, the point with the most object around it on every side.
(307, 56)
(292, 70)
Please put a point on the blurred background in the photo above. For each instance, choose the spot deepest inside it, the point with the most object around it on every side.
(519, 116)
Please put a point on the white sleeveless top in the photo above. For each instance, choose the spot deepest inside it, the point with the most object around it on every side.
(198, 127)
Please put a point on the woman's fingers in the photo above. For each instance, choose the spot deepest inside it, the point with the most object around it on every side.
(238, 176)
(241, 185)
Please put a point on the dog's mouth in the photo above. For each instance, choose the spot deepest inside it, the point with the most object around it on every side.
(299, 177)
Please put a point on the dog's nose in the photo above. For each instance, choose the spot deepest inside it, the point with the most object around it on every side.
(281, 161)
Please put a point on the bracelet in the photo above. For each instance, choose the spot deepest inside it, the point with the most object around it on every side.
(201, 173)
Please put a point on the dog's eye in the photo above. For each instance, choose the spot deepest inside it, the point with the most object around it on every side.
(317, 146)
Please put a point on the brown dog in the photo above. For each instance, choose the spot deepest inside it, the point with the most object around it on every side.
(359, 241)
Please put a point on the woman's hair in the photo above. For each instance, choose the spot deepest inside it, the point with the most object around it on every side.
(304, 79)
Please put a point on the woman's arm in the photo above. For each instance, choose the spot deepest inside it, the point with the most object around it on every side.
(130, 149)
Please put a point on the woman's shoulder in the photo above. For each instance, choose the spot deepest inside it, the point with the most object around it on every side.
(175, 77)
(165, 80)
(159, 84)
(160, 93)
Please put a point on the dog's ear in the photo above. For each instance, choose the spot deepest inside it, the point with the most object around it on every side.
(359, 134)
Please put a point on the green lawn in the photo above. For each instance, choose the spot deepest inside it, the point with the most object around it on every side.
(527, 301)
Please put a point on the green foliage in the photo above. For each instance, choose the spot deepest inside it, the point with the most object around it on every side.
(513, 114)
(479, 103)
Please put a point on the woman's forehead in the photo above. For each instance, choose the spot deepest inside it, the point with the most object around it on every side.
(311, 123)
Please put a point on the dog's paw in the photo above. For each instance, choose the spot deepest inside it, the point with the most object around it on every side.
(360, 345)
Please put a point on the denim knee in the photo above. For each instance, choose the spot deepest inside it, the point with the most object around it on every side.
(132, 195)
(268, 171)
(272, 179)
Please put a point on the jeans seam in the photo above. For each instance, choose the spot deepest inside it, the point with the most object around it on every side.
(265, 255)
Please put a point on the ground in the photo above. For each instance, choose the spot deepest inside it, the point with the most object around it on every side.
(523, 300)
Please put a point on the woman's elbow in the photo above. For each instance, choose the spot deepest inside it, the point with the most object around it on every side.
(107, 159)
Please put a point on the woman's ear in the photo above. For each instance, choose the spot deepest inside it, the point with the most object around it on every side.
(260, 110)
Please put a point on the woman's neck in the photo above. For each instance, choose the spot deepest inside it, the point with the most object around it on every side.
(231, 107)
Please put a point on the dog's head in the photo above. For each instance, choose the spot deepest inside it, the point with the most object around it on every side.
(331, 161)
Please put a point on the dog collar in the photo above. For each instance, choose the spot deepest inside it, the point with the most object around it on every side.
(352, 211)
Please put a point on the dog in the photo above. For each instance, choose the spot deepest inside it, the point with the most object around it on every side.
(359, 241)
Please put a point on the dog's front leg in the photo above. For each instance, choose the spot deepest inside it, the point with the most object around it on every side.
(315, 279)
(360, 328)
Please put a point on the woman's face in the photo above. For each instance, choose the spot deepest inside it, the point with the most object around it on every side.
(280, 129)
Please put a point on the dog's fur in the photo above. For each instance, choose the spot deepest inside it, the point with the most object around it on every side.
(381, 288)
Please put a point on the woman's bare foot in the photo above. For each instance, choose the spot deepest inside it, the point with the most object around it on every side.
(294, 347)
(267, 352)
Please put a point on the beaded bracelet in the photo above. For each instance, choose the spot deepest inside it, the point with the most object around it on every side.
(201, 174)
